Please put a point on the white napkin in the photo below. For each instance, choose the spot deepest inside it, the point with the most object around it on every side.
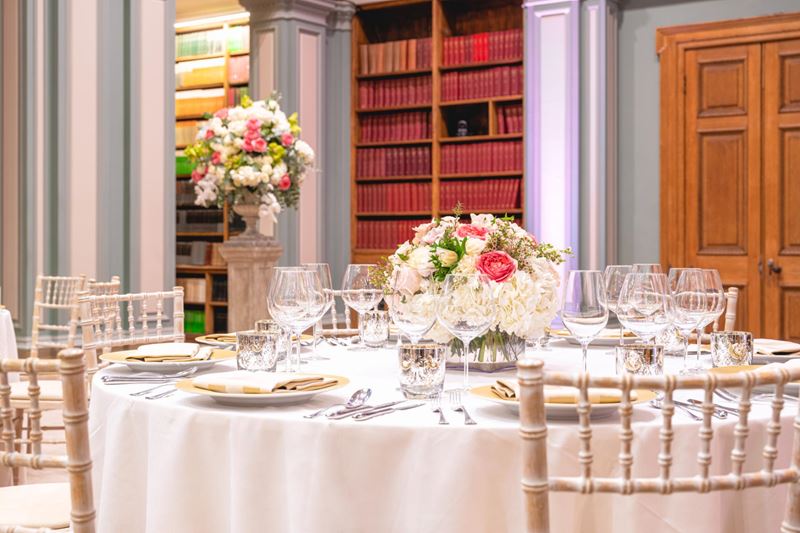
(776, 347)
(791, 363)
(173, 349)
(509, 390)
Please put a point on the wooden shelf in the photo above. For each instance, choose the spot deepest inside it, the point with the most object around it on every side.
(218, 304)
(384, 179)
(393, 74)
(218, 85)
(184, 59)
(199, 233)
(201, 269)
(510, 173)
(394, 143)
(478, 138)
(239, 84)
(395, 214)
(241, 52)
(409, 107)
(191, 117)
(483, 64)
(473, 101)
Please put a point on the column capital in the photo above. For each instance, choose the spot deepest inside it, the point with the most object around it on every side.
(327, 13)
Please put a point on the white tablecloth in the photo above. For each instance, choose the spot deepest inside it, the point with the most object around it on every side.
(8, 350)
(186, 464)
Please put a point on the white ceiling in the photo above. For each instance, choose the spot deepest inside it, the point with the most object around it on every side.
(192, 9)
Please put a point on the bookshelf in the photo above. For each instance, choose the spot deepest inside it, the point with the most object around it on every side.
(211, 72)
(449, 61)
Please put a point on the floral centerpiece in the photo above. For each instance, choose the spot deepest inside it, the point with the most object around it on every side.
(251, 156)
(520, 268)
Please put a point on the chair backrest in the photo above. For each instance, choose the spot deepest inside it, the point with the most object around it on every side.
(334, 322)
(533, 428)
(53, 298)
(116, 320)
(732, 297)
(78, 462)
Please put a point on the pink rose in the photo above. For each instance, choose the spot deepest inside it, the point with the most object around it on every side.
(285, 182)
(260, 145)
(247, 146)
(406, 280)
(198, 173)
(209, 134)
(216, 158)
(221, 114)
(253, 124)
(287, 139)
(498, 266)
(468, 230)
(252, 135)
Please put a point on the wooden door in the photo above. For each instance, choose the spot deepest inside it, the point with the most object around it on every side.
(782, 189)
(722, 143)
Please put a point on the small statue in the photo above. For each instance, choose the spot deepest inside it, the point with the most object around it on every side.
(462, 128)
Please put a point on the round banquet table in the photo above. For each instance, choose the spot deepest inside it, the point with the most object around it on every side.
(186, 464)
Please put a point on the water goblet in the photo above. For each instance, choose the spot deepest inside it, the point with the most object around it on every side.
(689, 298)
(584, 309)
(645, 305)
(412, 306)
(614, 277)
(323, 270)
(360, 291)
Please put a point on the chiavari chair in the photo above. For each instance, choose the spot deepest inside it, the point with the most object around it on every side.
(537, 484)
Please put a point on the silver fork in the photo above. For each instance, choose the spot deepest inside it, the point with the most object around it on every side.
(151, 389)
(457, 406)
(437, 408)
(161, 394)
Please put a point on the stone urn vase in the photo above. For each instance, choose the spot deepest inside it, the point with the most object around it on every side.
(250, 213)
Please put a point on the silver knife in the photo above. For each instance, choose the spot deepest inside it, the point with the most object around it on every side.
(380, 412)
(344, 413)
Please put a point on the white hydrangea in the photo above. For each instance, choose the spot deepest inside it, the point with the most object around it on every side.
(305, 151)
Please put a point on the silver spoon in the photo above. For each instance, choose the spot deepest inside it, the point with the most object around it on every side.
(358, 399)
(656, 403)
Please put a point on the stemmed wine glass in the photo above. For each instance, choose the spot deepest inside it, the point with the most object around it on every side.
(614, 277)
(689, 298)
(412, 306)
(715, 303)
(584, 309)
(361, 292)
(323, 270)
(645, 305)
(296, 300)
(647, 268)
(466, 308)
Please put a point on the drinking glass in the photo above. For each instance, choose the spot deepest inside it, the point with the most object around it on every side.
(614, 277)
(422, 370)
(414, 313)
(731, 348)
(584, 309)
(689, 298)
(296, 300)
(645, 305)
(257, 351)
(466, 308)
(375, 332)
(323, 270)
(715, 303)
(361, 292)
(272, 326)
(640, 359)
(647, 268)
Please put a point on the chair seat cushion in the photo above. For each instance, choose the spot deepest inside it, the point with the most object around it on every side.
(49, 390)
(37, 505)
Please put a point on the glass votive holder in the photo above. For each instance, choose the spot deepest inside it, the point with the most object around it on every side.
(422, 369)
(671, 339)
(640, 359)
(257, 350)
(731, 348)
(270, 326)
(375, 330)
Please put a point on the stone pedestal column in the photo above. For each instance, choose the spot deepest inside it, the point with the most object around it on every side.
(250, 263)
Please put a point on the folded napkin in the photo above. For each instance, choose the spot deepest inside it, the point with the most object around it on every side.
(776, 347)
(244, 382)
(791, 363)
(227, 338)
(509, 390)
(173, 352)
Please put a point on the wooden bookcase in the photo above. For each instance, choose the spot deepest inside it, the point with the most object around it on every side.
(212, 81)
(482, 178)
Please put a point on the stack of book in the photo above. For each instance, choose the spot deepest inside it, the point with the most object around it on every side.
(482, 83)
(482, 47)
(238, 70)
(219, 289)
(476, 158)
(189, 74)
(238, 39)
(408, 126)
(235, 95)
(199, 220)
(509, 118)
(394, 197)
(194, 321)
(185, 133)
(477, 195)
(413, 90)
(184, 193)
(384, 234)
(387, 162)
(200, 43)
(395, 56)
(194, 289)
(196, 103)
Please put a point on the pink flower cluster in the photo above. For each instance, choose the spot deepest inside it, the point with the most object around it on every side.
(253, 140)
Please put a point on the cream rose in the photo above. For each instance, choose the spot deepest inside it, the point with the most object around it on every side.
(447, 258)
(420, 260)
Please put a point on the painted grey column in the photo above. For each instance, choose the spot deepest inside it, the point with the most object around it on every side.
(552, 113)
(598, 199)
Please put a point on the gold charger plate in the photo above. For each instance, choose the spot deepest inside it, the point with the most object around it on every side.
(792, 388)
(217, 355)
(214, 339)
(562, 411)
(260, 400)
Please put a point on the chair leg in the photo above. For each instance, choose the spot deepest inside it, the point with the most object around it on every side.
(19, 416)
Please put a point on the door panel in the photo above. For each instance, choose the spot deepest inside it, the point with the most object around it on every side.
(723, 169)
(782, 189)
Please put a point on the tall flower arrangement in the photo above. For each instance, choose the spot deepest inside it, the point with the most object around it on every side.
(520, 268)
(250, 153)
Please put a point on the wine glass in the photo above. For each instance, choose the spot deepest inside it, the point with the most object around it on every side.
(296, 300)
(360, 291)
(715, 302)
(466, 308)
(614, 277)
(647, 268)
(412, 305)
(323, 270)
(584, 309)
(645, 305)
(689, 298)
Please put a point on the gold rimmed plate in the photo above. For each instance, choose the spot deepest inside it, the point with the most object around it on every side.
(792, 388)
(562, 411)
(261, 400)
(166, 367)
(607, 337)
(228, 339)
